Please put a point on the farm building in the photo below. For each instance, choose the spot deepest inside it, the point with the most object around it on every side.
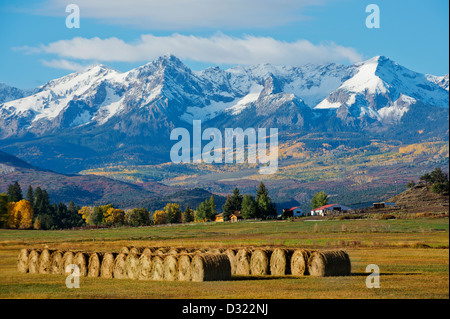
(218, 217)
(329, 209)
(292, 212)
(236, 216)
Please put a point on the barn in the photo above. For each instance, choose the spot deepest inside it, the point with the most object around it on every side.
(329, 209)
(292, 212)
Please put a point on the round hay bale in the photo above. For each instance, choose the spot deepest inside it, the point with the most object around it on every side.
(280, 261)
(173, 251)
(209, 267)
(184, 267)
(243, 258)
(231, 253)
(215, 251)
(260, 262)
(157, 270)
(135, 250)
(147, 251)
(107, 268)
(45, 260)
(81, 260)
(33, 261)
(299, 262)
(145, 267)
(56, 263)
(329, 263)
(22, 260)
(125, 250)
(94, 264)
(171, 268)
(161, 251)
(132, 266)
(119, 269)
(66, 261)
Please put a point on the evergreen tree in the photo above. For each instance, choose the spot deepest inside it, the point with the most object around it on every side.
(30, 195)
(227, 209)
(248, 208)
(212, 205)
(232, 204)
(14, 193)
(188, 215)
(3, 210)
(264, 206)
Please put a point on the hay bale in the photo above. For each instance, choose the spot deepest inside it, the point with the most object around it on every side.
(280, 261)
(135, 250)
(329, 263)
(231, 253)
(66, 261)
(157, 270)
(81, 260)
(45, 260)
(124, 250)
(243, 258)
(107, 268)
(119, 269)
(184, 267)
(299, 262)
(94, 264)
(56, 262)
(148, 251)
(173, 251)
(161, 251)
(33, 261)
(22, 260)
(260, 262)
(171, 268)
(145, 267)
(209, 267)
(132, 266)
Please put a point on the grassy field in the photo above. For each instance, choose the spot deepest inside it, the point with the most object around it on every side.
(408, 270)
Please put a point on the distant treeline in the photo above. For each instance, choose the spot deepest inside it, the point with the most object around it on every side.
(34, 211)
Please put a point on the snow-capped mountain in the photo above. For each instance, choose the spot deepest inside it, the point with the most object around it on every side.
(103, 111)
(383, 90)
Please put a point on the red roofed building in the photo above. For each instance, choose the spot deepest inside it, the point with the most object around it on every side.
(292, 212)
(327, 209)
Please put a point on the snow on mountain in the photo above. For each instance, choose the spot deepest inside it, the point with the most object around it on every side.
(166, 91)
(383, 90)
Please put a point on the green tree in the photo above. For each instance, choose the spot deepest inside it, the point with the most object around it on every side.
(212, 205)
(14, 193)
(3, 210)
(188, 215)
(264, 205)
(203, 211)
(30, 195)
(248, 208)
(320, 199)
(173, 213)
(232, 204)
(411, 184)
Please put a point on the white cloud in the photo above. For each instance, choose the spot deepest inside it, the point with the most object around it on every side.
(218, 49)
(64, 64)
(176, 14)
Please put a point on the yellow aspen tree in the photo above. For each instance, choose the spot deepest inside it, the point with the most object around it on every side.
(24, 214)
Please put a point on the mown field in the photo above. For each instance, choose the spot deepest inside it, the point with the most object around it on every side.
(413, 257)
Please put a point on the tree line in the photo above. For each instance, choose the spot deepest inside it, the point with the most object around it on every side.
(35, 211)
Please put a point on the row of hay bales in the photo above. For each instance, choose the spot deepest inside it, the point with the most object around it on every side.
(187, 264)
(285, 261)
(143, 265)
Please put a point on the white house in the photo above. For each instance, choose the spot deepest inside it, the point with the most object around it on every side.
(293, 212)
(324, 210)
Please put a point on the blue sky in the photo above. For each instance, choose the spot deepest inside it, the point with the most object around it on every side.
(36, 45)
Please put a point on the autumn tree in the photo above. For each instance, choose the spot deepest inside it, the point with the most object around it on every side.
(173, 213)
(159, 217)
(114, 216)
(20, 214)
